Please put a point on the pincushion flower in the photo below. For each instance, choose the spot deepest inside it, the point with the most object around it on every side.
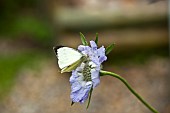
(85, 65)
(86, 76)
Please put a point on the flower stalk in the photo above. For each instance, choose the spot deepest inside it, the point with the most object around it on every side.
(103, 73)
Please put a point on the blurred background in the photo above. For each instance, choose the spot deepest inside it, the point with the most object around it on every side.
(30, 81)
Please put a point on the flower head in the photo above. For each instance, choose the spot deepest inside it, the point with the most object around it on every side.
(85, 70)
(86, 76)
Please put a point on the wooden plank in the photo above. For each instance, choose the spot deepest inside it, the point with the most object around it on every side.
(78, 20)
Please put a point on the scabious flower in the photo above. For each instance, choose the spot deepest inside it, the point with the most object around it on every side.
(86, 76)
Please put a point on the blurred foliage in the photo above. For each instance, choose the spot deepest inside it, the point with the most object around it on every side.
(9, 8)
(32, 26)
(21, 18)
(10, 65)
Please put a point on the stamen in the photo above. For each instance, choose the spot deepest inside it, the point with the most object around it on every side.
(86, 72)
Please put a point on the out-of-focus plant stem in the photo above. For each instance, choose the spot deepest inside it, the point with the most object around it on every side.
(103, 73)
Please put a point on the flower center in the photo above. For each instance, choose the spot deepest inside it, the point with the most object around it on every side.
(87, 72)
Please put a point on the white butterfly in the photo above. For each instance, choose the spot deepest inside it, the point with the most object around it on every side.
(68, 58)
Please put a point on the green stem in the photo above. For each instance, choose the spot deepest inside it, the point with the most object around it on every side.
(130, 88)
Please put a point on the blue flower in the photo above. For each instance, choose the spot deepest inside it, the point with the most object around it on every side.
(86, 75)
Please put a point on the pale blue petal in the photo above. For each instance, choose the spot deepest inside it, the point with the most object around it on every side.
(102, 59)
(81, 47)
(93, 45)
(75, 86)
(101, 54)
(94, 74)
(96, 82)
(81, 94)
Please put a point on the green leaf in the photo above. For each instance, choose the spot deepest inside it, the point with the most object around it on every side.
(96, 40)
(90, 93)
(72, 103)
(83, 39)
(109, 49)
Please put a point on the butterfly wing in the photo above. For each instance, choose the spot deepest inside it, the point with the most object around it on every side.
(74, 65)
(68, 58)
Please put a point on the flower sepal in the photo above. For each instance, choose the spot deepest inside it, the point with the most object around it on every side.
(83, 39)
(89, 99)
(72, 103)
(109, 48)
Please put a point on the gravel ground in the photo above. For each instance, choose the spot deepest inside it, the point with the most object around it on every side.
(45, 90)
